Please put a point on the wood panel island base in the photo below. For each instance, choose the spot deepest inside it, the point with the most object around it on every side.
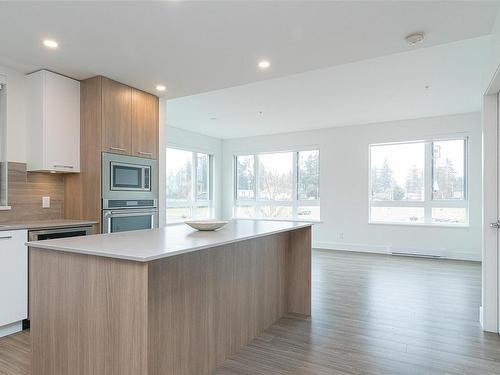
(164, 301)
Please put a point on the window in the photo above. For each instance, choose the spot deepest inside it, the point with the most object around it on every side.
(189, 185)
(420, 182)
(281, 185)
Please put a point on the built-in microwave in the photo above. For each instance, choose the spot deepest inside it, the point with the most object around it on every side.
(128, 178)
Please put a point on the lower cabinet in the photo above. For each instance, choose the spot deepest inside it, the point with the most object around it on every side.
(13, 278)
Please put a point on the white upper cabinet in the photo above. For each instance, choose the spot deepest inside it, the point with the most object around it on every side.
(53, 123)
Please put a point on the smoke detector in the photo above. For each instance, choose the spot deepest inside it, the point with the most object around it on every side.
(415, 38)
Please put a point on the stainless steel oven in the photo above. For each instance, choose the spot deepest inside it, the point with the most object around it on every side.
(129, 193)
(129, 219)
(128, 177)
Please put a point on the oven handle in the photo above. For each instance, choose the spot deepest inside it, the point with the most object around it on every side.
(117, 213)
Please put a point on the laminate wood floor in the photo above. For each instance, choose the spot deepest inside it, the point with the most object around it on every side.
(372, 314)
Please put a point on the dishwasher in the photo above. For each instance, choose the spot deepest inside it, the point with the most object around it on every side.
(51, 234)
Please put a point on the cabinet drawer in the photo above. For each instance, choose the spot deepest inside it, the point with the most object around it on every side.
(13, 276)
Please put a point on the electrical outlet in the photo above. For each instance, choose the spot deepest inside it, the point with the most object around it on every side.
(45, 202)
(341, 235)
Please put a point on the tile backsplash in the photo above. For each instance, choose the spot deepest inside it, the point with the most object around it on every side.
(25, 193)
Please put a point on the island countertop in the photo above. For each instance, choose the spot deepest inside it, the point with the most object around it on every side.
(151, 244)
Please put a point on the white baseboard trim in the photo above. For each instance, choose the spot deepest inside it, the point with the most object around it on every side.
(381, 249)
(378, 249)
(10, 329)
(487, 326)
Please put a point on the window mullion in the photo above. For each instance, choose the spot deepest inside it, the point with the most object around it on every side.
(256, 176)
(295, 182)
(428, 182)
(210, 182)
(194, 184)
(235, 184)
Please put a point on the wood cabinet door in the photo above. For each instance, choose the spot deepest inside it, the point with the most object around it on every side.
(116, 117)
(144, 124)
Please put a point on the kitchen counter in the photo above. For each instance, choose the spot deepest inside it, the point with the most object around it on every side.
(165, 301)
(151, 244)
(46, 224)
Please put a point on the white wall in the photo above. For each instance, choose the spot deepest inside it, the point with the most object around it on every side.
(16, 118)
(344, 185)
(493, 60)
(175, 137)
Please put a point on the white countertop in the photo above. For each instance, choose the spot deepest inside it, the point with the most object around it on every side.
(151, 244)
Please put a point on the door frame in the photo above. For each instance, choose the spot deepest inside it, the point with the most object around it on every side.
(490, 269)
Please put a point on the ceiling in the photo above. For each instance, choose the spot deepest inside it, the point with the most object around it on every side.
(381, 89)
(195, 47)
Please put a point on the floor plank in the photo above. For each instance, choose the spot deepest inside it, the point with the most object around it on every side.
(377, 314)
(15, 354)
(372, 314)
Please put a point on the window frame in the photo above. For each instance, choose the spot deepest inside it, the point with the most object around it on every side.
(294, 203)
(193, 203)
(428, 203)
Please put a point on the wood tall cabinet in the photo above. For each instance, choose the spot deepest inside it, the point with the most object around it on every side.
(144, 124)
(114, 118)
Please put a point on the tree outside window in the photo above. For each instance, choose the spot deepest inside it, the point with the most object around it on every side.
(422, 182)
(188, 185)
(282, 185)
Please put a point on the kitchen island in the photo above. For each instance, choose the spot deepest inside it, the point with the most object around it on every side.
(163, 301)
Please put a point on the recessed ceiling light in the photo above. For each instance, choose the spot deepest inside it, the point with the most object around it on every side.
(49, 43)
(264, 64)
(415, 38)
(161, 88)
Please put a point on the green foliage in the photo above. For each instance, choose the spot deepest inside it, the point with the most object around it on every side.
(309, 176)
(447, 184)
(398, 193)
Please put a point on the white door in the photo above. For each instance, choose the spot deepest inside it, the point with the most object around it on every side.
(497, 224)
(489, 314)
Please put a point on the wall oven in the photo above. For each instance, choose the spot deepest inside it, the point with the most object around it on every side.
(131, 219)
(129, 193)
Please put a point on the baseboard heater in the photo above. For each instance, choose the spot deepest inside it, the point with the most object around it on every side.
(417, 255)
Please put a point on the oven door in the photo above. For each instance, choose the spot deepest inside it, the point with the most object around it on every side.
(126, 220)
